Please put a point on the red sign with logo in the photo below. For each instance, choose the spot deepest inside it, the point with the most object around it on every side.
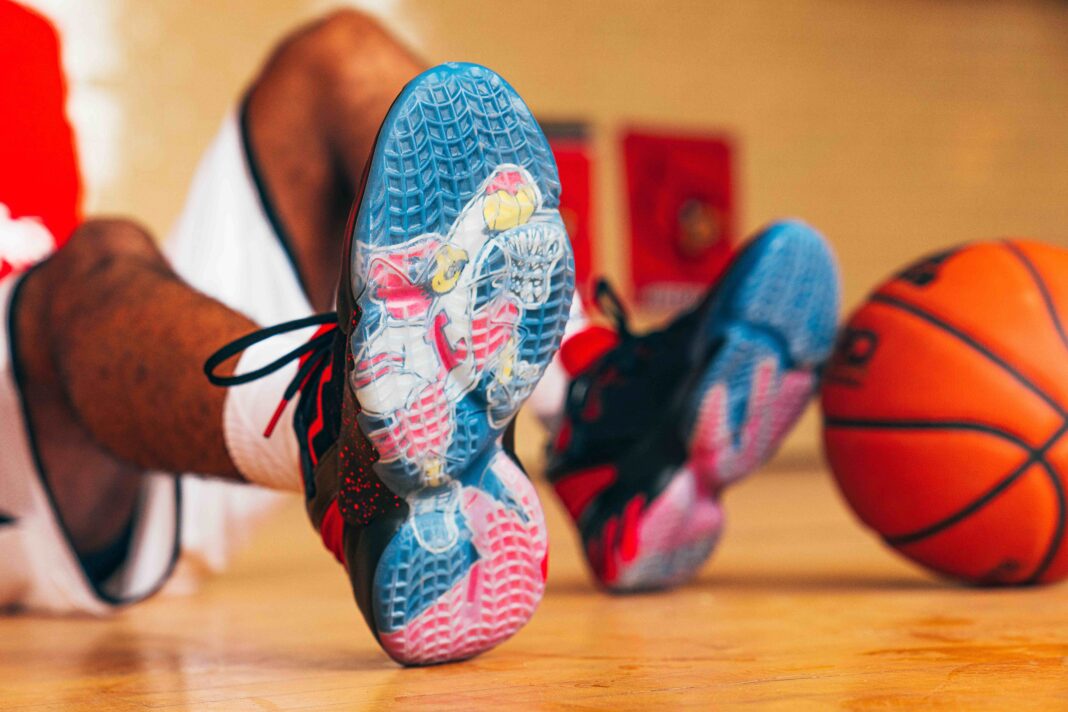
(682, 215)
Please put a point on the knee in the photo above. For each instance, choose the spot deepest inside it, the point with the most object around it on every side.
(344, 45)
(341, 31)
(107, 238)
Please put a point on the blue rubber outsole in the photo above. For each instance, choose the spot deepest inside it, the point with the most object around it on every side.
(774, 314)
(779, 300)
(464, 278)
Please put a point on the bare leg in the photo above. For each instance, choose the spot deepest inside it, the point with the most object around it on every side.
(107, 319)
(110, 344)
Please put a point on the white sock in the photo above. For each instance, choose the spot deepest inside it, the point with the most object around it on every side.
(272, 461)
(547, 400)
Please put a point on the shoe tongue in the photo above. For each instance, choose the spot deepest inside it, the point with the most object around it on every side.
(587, 347)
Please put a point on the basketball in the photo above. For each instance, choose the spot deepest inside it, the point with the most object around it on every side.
(945, 407)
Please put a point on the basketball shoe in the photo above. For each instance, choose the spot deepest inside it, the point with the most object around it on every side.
(457, 279)
(656, 425)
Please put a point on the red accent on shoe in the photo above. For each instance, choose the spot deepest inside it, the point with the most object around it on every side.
(628, 546)
(508, 181)
(545, 566)
(332, 531)
(450, 357)
(563, 438)
(392, 284)
(325, 328)
(609, 569)
(361, 495)
(577, 490)
(591, 411)
(382, 363)
(585, 348)
(317, 425)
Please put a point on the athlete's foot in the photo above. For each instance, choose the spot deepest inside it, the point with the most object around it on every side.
(457, 279)
(655, 426)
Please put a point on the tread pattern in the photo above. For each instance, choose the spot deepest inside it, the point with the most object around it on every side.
(776, 318)
(464, 276)
(776, 305)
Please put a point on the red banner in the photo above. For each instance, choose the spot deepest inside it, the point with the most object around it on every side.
(572, 152)
(682, 215)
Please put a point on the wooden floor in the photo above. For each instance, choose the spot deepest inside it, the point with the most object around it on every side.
(799, 609)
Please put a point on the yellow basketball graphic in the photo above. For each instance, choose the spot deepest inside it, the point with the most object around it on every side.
(504, 210)
(450, 263)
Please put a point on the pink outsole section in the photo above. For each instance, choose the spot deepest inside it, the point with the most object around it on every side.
(772, 411)
(680, 517)
(679, 525)
(682, 525)
(500, 592)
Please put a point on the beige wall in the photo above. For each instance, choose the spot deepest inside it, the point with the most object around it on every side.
(895, 127)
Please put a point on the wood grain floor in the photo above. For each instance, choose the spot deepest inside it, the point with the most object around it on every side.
(799, 609)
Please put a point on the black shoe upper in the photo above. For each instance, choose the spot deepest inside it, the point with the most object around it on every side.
(633, 396)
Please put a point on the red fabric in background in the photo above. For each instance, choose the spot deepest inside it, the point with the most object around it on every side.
(572, 153)
(38, 164)
(682, 215)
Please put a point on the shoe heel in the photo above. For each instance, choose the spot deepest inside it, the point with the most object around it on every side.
(467, 568)
(464, 278)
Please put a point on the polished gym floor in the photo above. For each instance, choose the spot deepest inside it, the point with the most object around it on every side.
(800, 608)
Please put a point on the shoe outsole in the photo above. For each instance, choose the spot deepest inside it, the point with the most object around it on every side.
(776, 315)
(464, 277)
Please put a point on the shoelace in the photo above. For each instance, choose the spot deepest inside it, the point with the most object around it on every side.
(612, 307)
(632, 352)
(317, 349)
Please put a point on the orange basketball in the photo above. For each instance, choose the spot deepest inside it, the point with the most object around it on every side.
(945, 411)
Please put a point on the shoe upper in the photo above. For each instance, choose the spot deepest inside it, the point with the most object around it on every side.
(355, 514)
(623, 407)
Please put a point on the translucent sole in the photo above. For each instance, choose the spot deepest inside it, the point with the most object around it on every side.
(464, 278)
(776, 317)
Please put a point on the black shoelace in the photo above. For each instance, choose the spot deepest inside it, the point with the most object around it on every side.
(612, 307)
(634, 350)
(318, 349)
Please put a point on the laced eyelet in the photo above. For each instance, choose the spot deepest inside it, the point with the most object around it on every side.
(317, 349)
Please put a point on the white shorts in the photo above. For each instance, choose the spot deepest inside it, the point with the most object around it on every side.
(224, 244)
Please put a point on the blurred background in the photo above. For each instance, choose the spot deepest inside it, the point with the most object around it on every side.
(895, 127)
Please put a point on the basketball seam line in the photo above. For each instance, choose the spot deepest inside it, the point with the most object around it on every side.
(1054, 478)
(1058, 530)
(1062, 509)
(974, 343)
(975, 426)
(1034, 457)
(963, 513)
(1043, 289)
(841, 380)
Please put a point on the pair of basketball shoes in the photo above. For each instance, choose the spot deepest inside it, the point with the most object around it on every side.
(456, 286)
